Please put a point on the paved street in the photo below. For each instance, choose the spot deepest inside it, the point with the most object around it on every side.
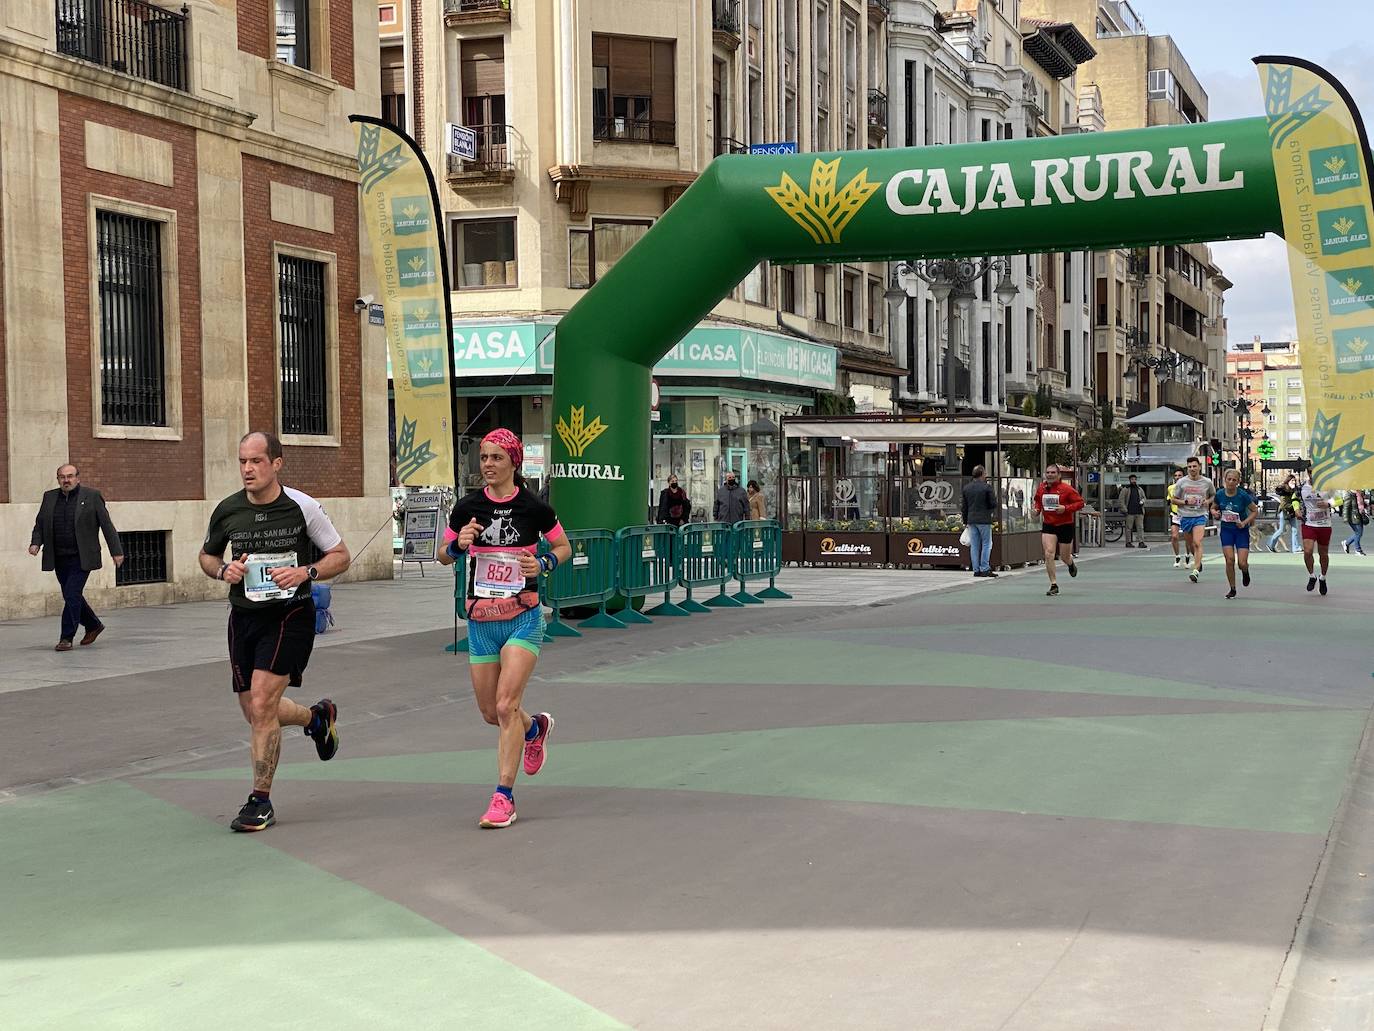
(968, 808)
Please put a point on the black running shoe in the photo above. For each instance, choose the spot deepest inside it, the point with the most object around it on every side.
(254, 816)
(1073, 569)
(326, 738)
(1231, 593)
(1054, 590)
(1245, 578)
(1322, 585)
(1311, 583)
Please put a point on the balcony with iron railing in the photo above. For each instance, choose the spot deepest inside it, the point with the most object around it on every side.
(129, 36)
(877, 116)
(729, 145)
(493, 165)
(476, 12)
(621, 129)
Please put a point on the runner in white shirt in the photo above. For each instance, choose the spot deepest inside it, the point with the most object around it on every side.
(1194, 494)
(1316, 532)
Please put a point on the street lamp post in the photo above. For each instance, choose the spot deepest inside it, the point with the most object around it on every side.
(951, 281)
(1241, 406)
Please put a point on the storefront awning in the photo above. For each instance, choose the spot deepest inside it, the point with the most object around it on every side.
(925, 432)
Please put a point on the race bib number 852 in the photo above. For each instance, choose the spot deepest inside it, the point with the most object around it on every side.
(497, 575)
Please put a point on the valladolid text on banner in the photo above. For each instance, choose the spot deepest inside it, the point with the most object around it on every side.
(1322, 167)
(399, 205)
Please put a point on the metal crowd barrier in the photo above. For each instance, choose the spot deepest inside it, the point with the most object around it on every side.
(646, 563)
(705, 554)
(757, 554)
(586, 578)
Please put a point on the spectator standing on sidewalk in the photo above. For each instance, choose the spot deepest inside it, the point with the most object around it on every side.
(67, 531)
(1132, 499)
(674, 506)
(1355, 512)
(1286, 492)
(979, 509)
(757, 508)
(732, 505)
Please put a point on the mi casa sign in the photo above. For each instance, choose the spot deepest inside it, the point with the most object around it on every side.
(1125, 175)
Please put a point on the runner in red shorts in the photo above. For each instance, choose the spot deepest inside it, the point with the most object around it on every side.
(1316, 532)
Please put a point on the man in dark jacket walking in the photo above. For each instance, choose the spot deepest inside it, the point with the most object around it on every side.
(674, 506)
(67, 530)
(732, 504)
(979, 509)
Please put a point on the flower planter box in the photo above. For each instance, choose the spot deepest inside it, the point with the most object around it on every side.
(917, 548)
(840, 547)
(793, 546)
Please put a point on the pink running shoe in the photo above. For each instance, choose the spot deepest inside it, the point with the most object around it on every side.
(501, 812)
(535, 751)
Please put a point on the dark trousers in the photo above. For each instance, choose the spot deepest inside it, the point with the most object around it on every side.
(75, 611)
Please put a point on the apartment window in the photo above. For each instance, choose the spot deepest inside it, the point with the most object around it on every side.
(851, 85)
(876, 305)
(1295, 417)
(145, 558)
(1295, 434)
(1004, 339)
(986, 130)
(293, 32)
(820, 284)
(633, 89)
(386, 14)
(851, 300)
(484, 252)
(756, 284)
(989, 370)
(1271, 418)
(1295, 384)
(1273, 385)
(592, 252)
(394, 87)
(1067, 365)
(1068, 277)
(483, 75)
(1295, 400)
(1294, 454)
(928, 106)
(821, 37)
(133, 380)
(787, 288)
(301, 327)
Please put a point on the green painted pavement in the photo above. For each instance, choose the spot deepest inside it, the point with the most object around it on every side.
(1347, 629)
(781, 659)
(123, 911)
(1263, 771)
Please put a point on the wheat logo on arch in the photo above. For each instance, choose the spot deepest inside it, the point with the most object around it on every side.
(821, 211)
(576, 432)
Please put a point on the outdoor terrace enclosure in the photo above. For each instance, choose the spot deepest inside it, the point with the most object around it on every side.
(1174, 184)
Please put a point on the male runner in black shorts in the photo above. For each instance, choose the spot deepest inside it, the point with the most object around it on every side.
(268, 529)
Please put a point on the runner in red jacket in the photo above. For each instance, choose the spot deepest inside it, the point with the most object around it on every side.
(1057, 502)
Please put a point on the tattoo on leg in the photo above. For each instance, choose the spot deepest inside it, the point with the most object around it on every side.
(265, 769)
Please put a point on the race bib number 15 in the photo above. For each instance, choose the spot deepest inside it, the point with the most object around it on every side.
(258, 584)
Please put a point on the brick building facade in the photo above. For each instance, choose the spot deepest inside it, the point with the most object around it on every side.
(180, 243)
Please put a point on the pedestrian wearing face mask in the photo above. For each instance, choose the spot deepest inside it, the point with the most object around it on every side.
(674, 507)
(732, 504)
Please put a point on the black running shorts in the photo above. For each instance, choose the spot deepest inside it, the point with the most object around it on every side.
(275, 638)
(1063, 532)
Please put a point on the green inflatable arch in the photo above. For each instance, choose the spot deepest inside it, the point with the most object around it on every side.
(1176, 184)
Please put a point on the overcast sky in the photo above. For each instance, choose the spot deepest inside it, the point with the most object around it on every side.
(1218, 38)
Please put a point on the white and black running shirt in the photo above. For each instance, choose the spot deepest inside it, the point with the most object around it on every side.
(1313, 514)
(275, 534)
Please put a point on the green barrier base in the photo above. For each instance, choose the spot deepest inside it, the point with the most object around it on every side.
(557, 628)
(772, 592)
(744, 597)
(667, 608)
(460, 647)
(724, 601)
(629, 615)
(603, 620)
(691, 606)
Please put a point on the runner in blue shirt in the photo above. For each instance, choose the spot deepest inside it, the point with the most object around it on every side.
(1237, 511)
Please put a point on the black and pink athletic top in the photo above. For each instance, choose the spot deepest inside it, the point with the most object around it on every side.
(513, 523)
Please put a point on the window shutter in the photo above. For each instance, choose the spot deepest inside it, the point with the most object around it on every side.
(483, 67)
(393, 72)
(631, 69)
(663, 94)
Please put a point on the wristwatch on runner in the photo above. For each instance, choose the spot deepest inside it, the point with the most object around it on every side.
(312, 572)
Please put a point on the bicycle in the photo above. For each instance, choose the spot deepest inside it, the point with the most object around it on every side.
(1113, 525)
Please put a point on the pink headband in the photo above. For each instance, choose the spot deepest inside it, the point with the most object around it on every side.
(509, 443)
